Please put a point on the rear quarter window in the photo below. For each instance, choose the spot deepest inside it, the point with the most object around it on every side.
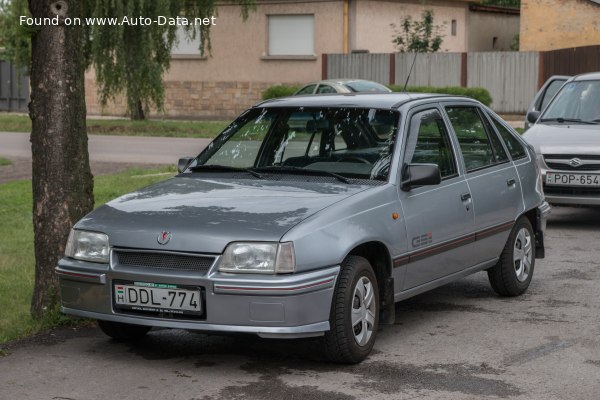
(514, 146)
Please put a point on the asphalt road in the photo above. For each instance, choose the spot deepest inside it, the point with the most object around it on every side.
(116, 149)
(460, 341)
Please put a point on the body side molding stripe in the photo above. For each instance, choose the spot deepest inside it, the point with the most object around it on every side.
(452, 244)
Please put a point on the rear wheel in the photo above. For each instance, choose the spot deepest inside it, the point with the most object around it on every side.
(354, 313)
(123, 332)
(513, 272)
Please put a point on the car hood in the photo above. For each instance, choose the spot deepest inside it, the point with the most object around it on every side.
(204, 215)
(564, 139)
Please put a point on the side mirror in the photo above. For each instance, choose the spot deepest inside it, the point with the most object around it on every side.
(420, 175)
(533, 116)
(183, 163)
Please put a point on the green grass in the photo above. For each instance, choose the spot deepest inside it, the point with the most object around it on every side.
(4, 161)
(125, 127)
(16, 247)
(520, 130)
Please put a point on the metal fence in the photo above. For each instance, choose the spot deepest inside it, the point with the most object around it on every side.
(433, 69)
(512, 78)
(14, 88)
(374, 67)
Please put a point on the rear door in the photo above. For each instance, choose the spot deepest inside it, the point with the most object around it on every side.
(490, 175)
(439, 218)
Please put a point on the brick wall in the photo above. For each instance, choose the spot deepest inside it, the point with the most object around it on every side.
(190, 99)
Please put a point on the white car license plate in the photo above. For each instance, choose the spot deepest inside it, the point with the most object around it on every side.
(157, 297)
(563, 179)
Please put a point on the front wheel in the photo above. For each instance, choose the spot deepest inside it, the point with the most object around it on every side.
(123, 332)
(354, 314)
(513, 272)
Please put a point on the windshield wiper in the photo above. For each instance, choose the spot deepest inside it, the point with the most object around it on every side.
(224, 168)
(301, 171)
(574, 120)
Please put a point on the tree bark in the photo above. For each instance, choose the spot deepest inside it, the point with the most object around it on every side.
(137, 112)
(62, 180)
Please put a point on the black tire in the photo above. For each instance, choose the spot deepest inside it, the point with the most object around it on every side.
(341, 341)
(506, 277)
(123, 332)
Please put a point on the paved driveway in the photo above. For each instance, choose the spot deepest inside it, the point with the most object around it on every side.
(460, 341)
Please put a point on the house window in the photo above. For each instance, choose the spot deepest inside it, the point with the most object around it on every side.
(291, 35)
(184, 45)
(453, 27)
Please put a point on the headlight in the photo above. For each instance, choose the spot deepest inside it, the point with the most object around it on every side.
(259, 258)
(87, 246)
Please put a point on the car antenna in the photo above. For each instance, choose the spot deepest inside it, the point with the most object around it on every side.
(410, 72)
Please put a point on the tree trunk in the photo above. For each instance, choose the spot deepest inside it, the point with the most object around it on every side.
(61, 179)
(137, 112)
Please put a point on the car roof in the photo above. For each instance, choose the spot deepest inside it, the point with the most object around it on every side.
(587, 77)
(340, 81)
(371, 100)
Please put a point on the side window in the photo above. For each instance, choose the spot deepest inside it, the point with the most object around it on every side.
(325, 89)
(475, 144)
(429, 143)
(307, 90)
(514, 146)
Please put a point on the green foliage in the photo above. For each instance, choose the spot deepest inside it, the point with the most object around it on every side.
(421, 36)
(14, 38)
(127, 59)
(503, 3)
(516, 42)
(279, 91)
(4, 161)
(476, 93)
(17, 263)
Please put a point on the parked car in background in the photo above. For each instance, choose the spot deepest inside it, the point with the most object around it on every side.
(566, 138)
(342, 86)
(311, 216)
(545, 94)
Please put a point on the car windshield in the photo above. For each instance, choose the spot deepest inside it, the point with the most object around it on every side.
(343, 143)
(366, 86)
(576, 102)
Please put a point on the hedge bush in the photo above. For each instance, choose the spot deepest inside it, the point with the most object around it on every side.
(279, 91)
(476, 93)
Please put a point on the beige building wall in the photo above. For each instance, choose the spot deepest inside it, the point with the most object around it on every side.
(556, 24)
(485, 26)
(239, 70)
(371, 22)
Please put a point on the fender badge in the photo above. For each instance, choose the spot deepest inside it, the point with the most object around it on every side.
(164, 237)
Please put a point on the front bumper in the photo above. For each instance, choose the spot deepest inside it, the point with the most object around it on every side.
(541, 215)
(273, 306)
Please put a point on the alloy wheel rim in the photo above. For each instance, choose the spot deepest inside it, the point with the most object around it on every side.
(522, 255)
(363, 311)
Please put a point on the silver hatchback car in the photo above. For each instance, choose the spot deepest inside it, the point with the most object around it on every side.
(566, 138)
(311, 216)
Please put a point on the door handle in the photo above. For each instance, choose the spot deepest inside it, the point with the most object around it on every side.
(511, 181)
(465, 196)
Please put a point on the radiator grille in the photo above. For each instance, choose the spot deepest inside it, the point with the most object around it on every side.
(180, 262)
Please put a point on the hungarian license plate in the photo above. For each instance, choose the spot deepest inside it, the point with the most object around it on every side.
(157, 297)
(563, 179)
